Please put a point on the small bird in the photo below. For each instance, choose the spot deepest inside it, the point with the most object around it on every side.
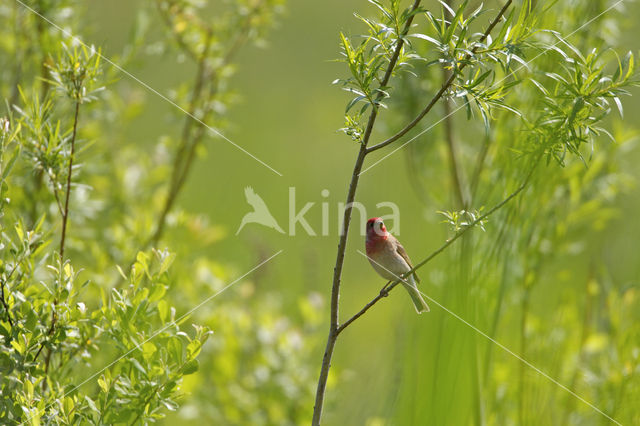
(390, 260)
(260, 213)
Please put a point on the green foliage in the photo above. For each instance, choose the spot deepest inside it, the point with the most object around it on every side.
(108, 334)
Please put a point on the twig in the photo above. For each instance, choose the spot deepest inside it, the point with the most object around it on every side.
(184, 143)
(390, 285)
(444, 87)
(65, 220)
(65, 214)
(186, 151)
(6, 280)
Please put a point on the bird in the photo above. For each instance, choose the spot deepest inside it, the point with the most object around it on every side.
(391, 261)
(260, 213)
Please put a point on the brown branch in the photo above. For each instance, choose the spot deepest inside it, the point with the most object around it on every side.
(392, 284)
(4, 282)
(65, 220)
(444, 87)
(342, 245)
(186, 151)
(184, 143)
(65, 214)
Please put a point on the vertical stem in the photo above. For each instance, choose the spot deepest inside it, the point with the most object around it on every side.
(65, 214)
(335, 290)
(65, 220)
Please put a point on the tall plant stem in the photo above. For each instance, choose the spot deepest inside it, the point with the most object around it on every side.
(179, 159)
(63, 235)
(190, 140)
(65, 211)
(334, 325)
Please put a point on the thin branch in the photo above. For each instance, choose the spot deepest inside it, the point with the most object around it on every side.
(444, 87)
(189, 142)
(4, 282)
(184, 143)
(65, 220)
(392, 284)
(342, 245)
(65, 214)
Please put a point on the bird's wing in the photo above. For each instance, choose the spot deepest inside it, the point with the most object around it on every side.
(403, 253)
(253, 199)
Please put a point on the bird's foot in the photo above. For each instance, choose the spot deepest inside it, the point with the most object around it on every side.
(384, 292)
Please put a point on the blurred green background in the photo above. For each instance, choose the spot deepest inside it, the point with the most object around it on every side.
(287, 115)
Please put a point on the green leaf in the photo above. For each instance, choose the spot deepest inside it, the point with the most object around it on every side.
(190, 367)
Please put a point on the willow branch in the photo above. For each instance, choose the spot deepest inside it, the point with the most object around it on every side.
(65, 213)
(342, 244)
(184, 143)
(186, 151)
(444, 87)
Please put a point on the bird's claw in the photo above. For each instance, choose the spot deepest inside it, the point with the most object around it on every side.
(384, 292)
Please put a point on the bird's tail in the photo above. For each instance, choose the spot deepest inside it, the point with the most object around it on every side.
(418, 301)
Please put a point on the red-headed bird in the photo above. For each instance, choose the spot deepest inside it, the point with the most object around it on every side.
(390, 260)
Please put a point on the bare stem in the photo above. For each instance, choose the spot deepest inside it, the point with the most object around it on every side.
(65, 213)
(63, 235)
(189, 141)
(179, 159)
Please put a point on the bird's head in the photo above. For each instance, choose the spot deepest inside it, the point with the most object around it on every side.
(376, 228)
